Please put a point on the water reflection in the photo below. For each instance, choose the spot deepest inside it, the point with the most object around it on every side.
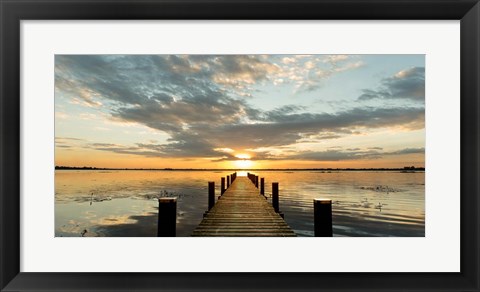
(124, 203)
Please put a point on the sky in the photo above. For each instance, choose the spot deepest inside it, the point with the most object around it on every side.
(240, 111)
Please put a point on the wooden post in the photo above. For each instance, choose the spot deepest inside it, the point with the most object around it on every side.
(262, 186)
(167, 217)
(275, 202)
(222, 186)
(322, 209)
(256, 181)
(211, 194)
(228, 181)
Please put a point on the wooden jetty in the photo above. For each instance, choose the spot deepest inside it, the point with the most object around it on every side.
(242, 211)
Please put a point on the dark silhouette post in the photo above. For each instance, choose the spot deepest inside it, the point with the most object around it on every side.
(228, 181)
(222, 186)
(256, 181)
(262, 186)
(211, 194)
(167, 217)
(275, 202)
(322, 209)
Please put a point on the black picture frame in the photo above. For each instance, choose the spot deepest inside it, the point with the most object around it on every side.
(13, 11)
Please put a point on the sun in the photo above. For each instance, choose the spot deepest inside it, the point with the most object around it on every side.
(243, 156)
(244, 161)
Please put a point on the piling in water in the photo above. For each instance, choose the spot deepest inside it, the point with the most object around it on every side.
(262, 186)
(275, 201)
(252, 177)
(222, 186)
(322, 209)
(167, 217)
(211, 194)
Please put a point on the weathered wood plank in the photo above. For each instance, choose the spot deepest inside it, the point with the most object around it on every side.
(242, 211)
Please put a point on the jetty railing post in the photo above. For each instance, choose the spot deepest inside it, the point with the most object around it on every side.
(275, 201)
(211, 194)
(228, 181)
(256, 181)
(222, 186)
(262, 186)
(322, 209)
(167, 217)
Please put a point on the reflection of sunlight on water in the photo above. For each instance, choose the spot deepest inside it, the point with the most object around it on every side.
(241, 173)
(124, 203)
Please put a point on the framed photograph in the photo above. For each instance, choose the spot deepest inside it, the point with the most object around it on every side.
(238, 145)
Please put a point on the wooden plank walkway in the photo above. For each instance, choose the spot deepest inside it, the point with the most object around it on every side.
(242, 211)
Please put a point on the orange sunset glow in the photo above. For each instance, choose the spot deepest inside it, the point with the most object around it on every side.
(240, 111)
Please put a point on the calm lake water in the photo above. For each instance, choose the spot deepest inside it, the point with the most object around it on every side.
(124, 203)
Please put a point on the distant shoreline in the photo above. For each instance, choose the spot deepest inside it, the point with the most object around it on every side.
(404, 169)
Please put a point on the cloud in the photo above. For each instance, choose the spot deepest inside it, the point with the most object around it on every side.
(334, 59)
(240, 69)
(68, 142)
(406, 84)
(205, 136)
(194, 99)
(60, 115)
(407, 151)
(331, 154)
(127, 80)
(172, 150)
(351, 154)
(130, 79)
(335, 155)
(308, 73)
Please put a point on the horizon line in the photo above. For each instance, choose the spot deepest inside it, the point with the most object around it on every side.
(61, 167)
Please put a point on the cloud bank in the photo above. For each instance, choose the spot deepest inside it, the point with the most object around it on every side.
(202, 102)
